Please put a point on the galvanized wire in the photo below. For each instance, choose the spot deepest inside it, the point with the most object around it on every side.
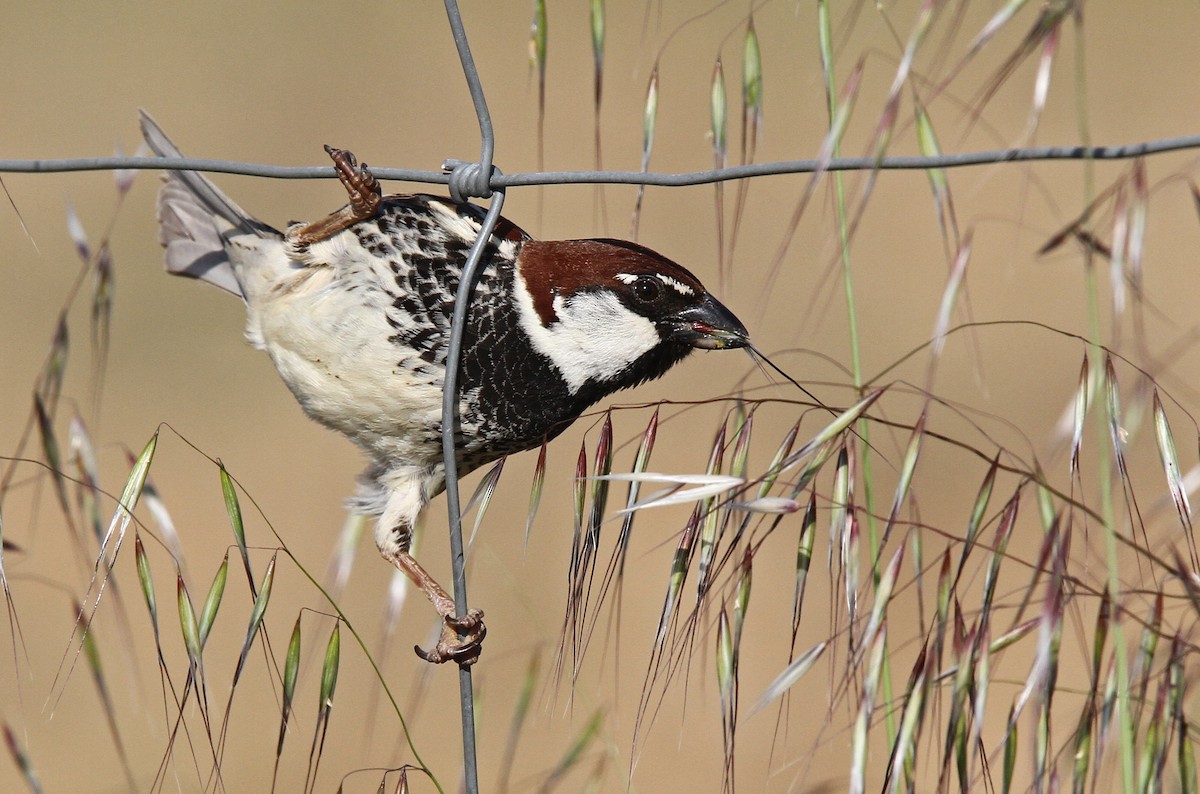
(467, 180)
(649, 178)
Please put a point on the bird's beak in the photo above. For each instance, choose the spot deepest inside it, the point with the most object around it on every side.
(710, 326)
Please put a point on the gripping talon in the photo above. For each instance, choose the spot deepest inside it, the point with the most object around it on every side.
(451, 647)
(365, 198)
(361, 185)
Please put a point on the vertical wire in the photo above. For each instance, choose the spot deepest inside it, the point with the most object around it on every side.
(474, 180)
(487, 144)
(449, 426)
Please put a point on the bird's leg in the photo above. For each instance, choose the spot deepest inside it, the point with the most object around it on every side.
(365, 197)
(405, 492)
(461, 637)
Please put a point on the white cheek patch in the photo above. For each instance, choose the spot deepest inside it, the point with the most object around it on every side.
(595, 336)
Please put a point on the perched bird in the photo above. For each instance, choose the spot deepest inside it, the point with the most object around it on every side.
(355, 312)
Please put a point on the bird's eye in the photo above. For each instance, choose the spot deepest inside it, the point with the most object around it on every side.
(647, 289)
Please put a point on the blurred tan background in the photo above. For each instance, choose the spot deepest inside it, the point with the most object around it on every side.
(272, 82)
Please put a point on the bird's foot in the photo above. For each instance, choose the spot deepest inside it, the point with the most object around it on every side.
(451, 647)
(365, 198)
(361, 185)
(461, 640)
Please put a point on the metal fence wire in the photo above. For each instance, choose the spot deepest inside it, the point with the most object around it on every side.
(467, 180)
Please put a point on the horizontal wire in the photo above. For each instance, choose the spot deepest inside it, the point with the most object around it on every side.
(890, 163)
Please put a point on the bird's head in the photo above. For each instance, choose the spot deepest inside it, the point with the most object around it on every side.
(610, 314)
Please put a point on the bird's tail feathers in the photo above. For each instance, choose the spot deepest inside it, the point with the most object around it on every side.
(194, 216)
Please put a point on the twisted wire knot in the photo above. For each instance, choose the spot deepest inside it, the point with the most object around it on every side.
(469, 180)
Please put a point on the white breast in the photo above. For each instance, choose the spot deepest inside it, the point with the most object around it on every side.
(331, 346)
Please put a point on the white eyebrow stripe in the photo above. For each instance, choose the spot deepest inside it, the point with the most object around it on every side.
(678, 286)
(675, 284)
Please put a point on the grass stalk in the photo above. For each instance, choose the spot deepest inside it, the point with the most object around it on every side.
(825, 43)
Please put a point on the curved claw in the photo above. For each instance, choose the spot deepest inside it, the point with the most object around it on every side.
(365, 194)
(361, 185)
(451, 647)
